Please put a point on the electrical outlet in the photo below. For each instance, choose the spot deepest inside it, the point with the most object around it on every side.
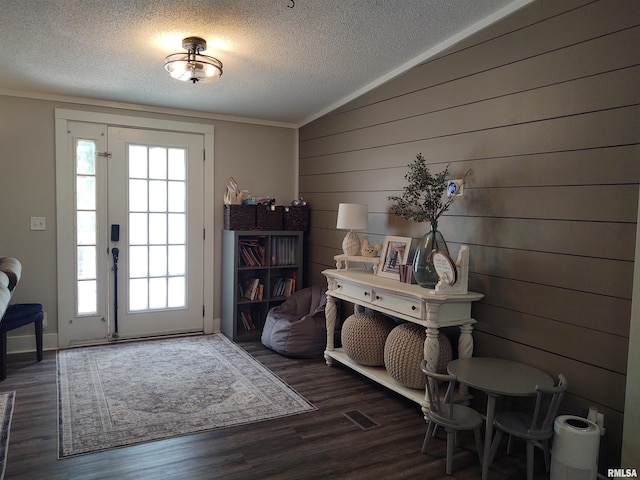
(38, 223)
(455, 188)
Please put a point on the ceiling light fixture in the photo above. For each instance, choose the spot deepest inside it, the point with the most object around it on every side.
(192, 65)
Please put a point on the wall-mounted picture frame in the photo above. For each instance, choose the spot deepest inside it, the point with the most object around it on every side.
(395, 252)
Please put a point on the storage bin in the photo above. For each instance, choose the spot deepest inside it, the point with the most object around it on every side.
(239, 217)
(269, 217)
(297, 218)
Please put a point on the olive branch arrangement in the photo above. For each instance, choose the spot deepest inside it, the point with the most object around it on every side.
(423, 198)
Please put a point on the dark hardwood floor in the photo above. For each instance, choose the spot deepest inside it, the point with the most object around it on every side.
(317, 445)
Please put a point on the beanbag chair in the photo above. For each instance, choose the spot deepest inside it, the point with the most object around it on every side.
(296, 328)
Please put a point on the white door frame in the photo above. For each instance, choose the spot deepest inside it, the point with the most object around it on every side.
(64, 220)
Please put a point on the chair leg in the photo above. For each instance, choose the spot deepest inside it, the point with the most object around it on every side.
(430, 432)
(450, 440)
(3, 355)
(545, 448)
(510, 445)
(495, 445)
(479, 448)
(530, 449)
(38, 327)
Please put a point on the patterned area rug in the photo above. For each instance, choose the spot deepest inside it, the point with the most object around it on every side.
(6, 412)
(130, 393)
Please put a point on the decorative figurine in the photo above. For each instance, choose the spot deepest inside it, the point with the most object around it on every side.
(368, 250)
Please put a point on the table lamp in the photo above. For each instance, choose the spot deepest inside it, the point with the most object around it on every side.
(352, 216)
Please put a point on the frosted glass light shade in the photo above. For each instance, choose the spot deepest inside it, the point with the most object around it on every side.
(352, 216)
(193, 66)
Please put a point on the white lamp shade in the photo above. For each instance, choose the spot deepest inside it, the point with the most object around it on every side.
(353, 216)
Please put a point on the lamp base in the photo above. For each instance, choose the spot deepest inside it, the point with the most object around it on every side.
(351, 244)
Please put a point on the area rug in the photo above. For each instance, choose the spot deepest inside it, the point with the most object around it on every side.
(6, 411)
(129, 393)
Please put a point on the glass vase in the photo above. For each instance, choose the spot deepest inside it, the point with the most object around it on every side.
(423, 269)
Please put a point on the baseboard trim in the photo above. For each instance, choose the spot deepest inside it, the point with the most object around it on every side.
(27, 343)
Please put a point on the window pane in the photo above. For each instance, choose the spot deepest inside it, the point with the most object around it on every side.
(137, 161)
(176, 259)
(137, 228)
(87, 297)
(158, 228)
(177, 170)
(137, 195)
(86, 263)
(86, 228)
(138, 262)
(177, 196)
(157, 261)
(177, 228)
(158, 162)
(86, 157)
(157, 251)
(158, 293)
(138, 294)
(157, 196)
(86, 193)
(177, 292)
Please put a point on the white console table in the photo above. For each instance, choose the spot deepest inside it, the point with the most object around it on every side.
(401, 300)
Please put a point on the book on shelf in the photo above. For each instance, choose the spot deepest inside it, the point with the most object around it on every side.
(283, 250)
(289, 285)
(252, 252)
(243, 321)
(284, 286)
(251, 289)
(247, 321)
(256, 317)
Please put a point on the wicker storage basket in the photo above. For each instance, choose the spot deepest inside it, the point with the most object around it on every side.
(269, 217)
(239, 217)
(297, 218)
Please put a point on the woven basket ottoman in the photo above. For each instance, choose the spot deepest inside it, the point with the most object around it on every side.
(364, 336)
(404, 350)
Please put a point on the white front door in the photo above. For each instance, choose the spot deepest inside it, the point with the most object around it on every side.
(132, 262)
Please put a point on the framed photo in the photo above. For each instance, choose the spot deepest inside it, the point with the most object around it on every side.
(395, 252)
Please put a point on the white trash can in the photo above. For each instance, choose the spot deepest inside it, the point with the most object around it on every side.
(574, 453)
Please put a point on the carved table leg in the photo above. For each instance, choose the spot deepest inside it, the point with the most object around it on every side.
(432, 349)
(431, 355)
(465, 350)
(330, 313)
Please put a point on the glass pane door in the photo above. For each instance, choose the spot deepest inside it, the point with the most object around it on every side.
(160, 214)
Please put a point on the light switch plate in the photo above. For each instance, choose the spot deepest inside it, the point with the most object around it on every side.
(38, 223)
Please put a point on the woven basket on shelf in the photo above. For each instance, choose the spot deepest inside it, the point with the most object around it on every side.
(363, 337)
(239, 217)
(269, 217)
(404, 350)
(297, 217)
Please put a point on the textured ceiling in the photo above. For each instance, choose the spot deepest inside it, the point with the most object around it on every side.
(281, 64)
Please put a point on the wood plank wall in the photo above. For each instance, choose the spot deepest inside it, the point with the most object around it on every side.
(543, 107)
